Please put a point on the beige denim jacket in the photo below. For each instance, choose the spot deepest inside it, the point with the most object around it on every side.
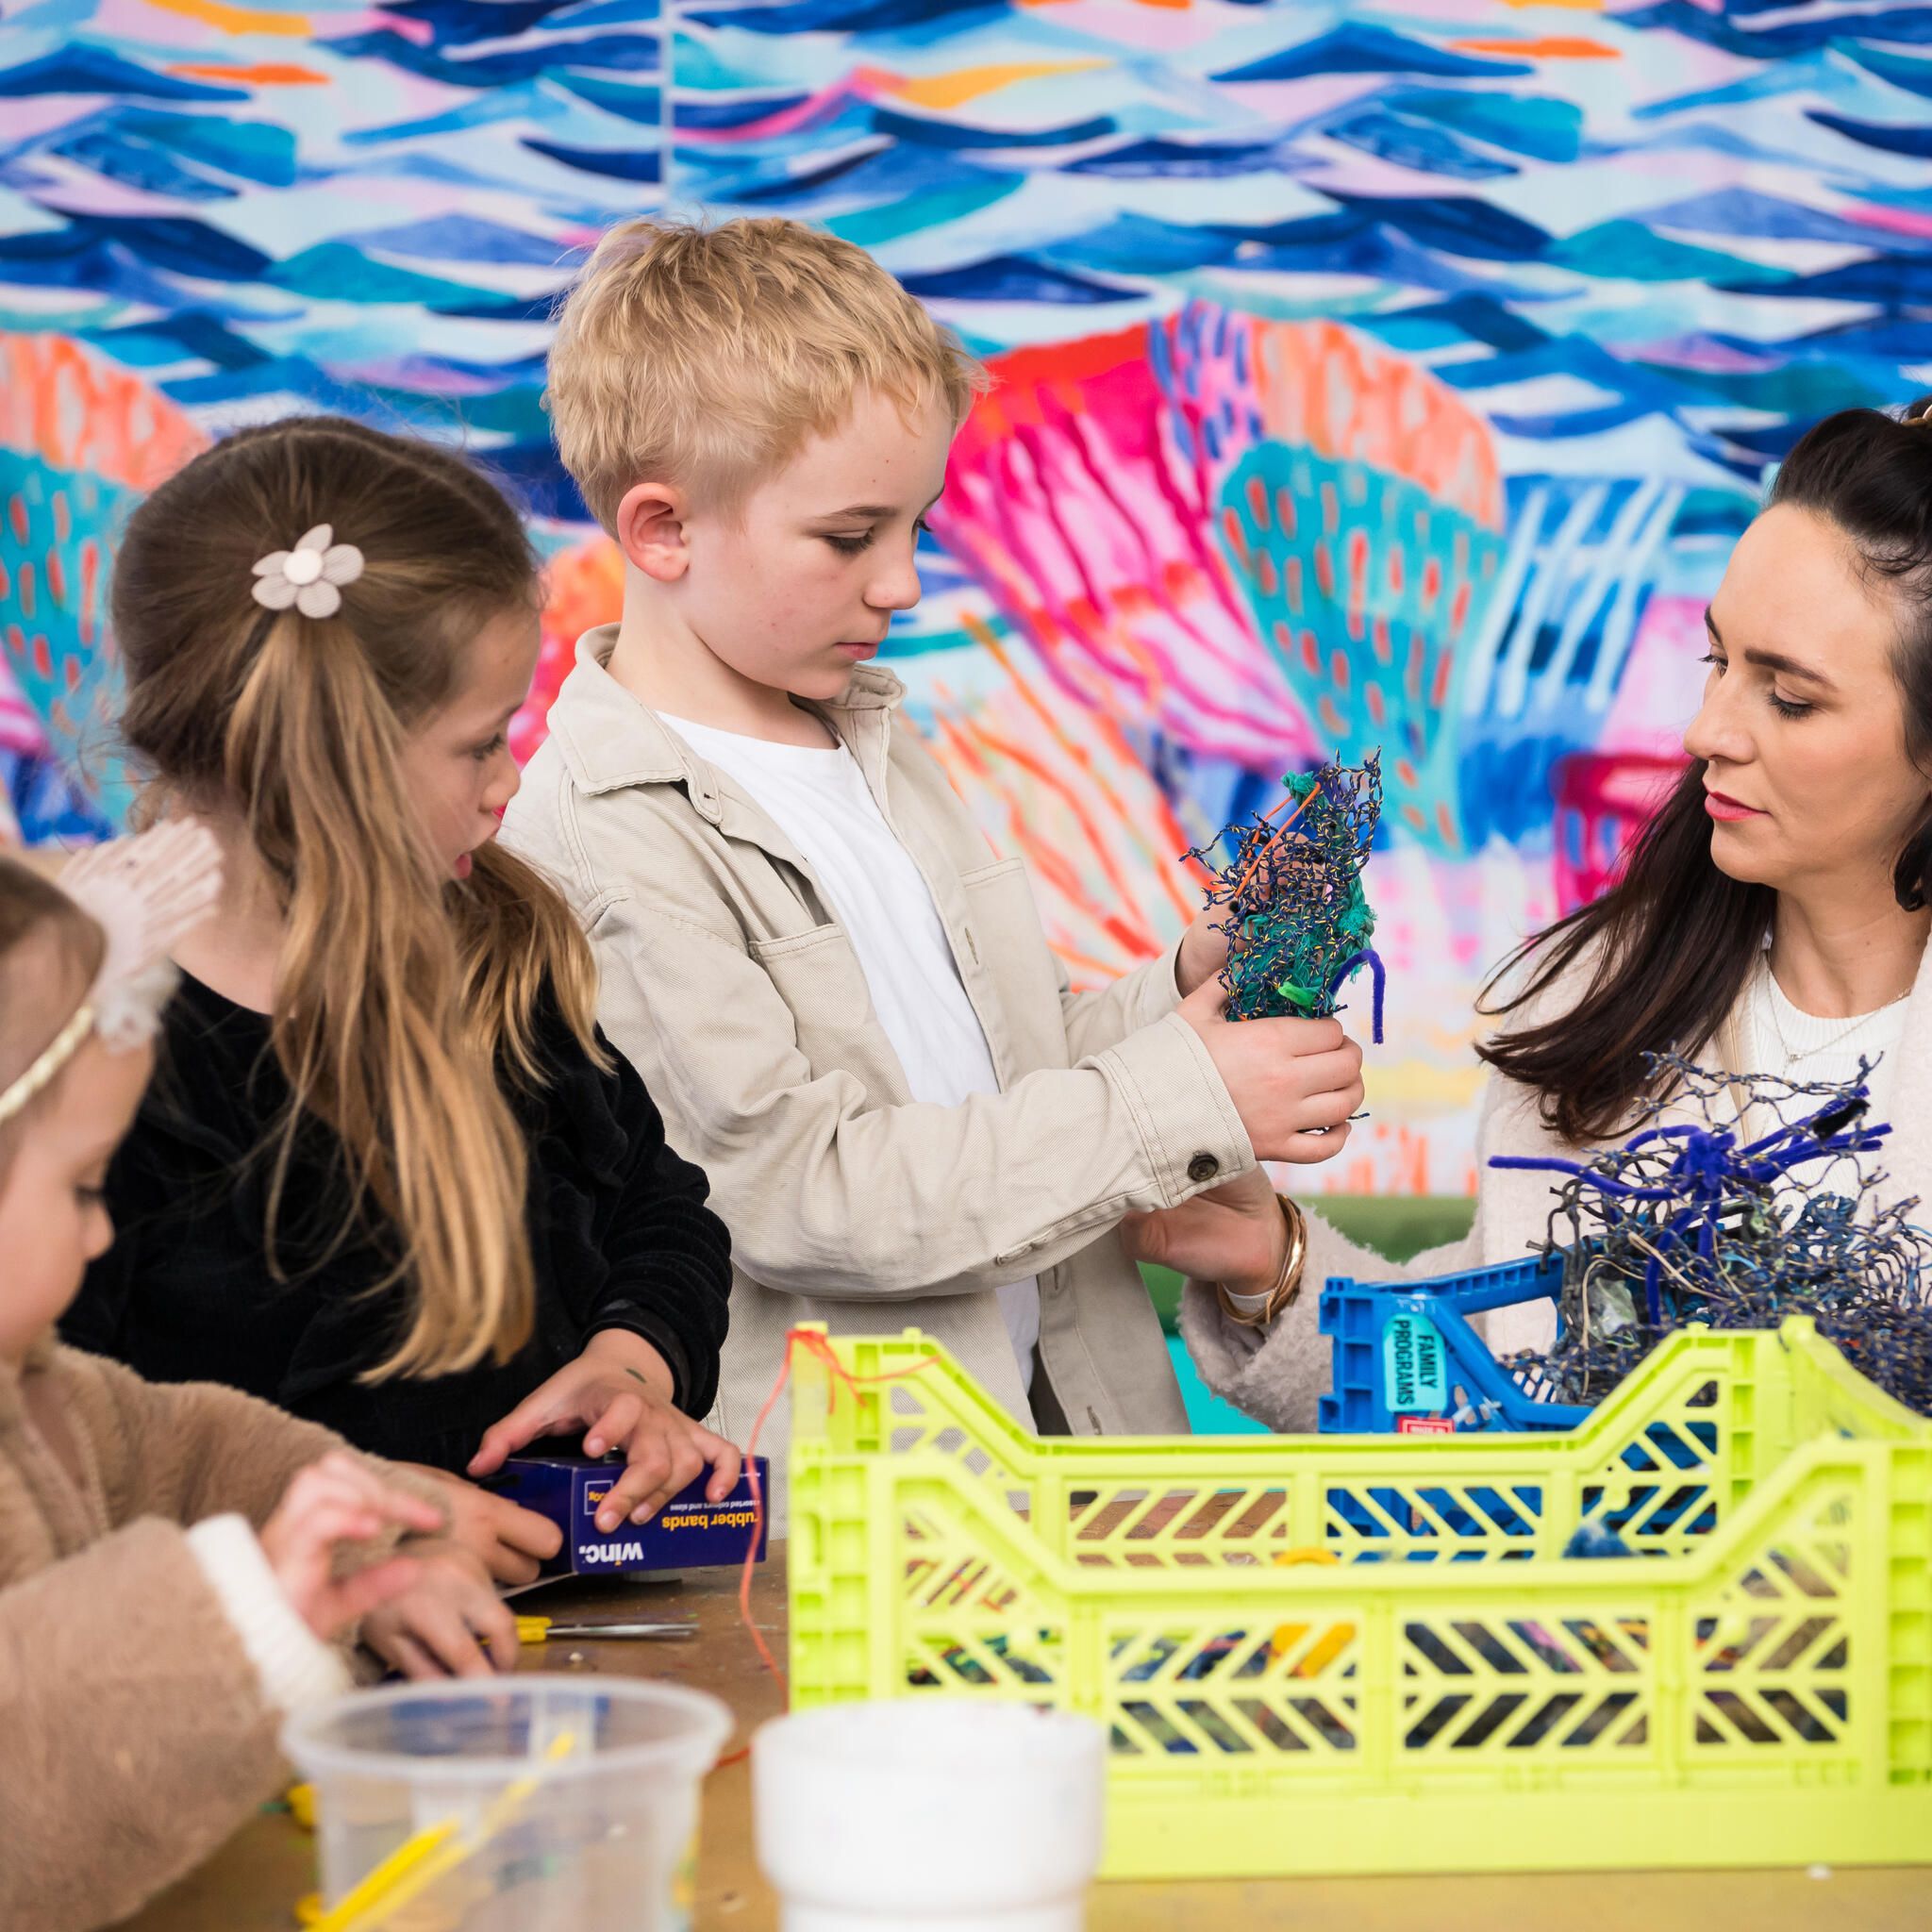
(738, 997)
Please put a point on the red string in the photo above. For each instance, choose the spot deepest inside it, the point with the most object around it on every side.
(817, 1346)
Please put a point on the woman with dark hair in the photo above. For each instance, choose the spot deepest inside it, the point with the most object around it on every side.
(1771, 917)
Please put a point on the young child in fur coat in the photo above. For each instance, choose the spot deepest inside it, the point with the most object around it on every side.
(179, 1566)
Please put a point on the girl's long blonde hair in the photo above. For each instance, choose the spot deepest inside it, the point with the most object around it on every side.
(402, 999)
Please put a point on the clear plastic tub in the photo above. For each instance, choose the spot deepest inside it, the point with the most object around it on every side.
(930, 1815)
(599, 1835)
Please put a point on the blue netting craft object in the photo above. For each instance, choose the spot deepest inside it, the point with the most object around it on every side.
(1697, 1221)
(1297, 921)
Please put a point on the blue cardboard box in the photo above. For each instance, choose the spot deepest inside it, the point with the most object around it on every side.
(690, 1532)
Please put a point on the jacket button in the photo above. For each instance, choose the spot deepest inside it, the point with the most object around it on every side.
(1204, 1167)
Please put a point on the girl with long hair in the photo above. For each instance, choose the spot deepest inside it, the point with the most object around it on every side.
(390, 1175)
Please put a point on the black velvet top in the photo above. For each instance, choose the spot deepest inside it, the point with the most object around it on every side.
(619, 1236)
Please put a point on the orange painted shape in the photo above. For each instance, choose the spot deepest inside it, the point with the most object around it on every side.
(78, 413)
(944, 91)
(261, 74)
(1351, 400)
(1551, 47)
(239, 20)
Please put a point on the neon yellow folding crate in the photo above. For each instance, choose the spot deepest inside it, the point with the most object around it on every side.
(1343, 1653)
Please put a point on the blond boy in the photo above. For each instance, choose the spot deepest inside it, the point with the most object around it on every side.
(840, 995)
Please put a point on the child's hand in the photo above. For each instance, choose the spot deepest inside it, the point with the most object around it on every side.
(432, 1628)
(511, 1541)
(339, 1500)
(618, 1389)
(1288, 1078)
(1203, 950)
(1233, 1234)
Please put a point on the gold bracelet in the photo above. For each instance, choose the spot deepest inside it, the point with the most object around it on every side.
(1288, 1284)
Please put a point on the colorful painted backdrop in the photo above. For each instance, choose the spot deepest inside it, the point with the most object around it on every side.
(1389, 377)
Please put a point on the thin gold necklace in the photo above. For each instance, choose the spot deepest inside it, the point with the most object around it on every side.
(1793, 1055)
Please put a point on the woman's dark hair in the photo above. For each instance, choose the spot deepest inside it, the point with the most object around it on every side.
(1675, 939)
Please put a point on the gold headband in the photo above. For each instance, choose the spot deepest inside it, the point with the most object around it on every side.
(45, 1070)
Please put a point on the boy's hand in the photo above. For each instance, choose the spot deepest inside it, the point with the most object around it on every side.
(512, 1542)
(432, 1629)
(334, 1501)
(1289, 1079)
(619, 1391)
(1204, 951)
(1234, 1234)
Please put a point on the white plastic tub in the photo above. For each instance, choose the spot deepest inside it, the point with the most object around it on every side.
(930, 1815)
(604, 1839)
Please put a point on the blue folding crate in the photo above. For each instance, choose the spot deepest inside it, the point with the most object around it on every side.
(1407, 1360)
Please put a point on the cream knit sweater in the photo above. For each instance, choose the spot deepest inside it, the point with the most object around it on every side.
(1277, 1374)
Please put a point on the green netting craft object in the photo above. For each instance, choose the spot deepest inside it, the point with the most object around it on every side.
(1297, 921)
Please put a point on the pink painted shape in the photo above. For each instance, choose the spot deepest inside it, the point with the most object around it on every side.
(1662, 682)
(1898, 221)
(1070, 501)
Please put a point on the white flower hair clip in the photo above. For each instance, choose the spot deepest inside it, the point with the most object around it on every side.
(307, 575)
(144, 893)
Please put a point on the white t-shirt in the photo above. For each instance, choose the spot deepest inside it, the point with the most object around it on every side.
(821, 801)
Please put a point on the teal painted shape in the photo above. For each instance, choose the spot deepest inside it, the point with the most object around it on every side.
(1208, 1414)
(1530, 124)
(335, 272)
(1629, 252)
(870, 228)
(53, 608)
(1368, 591)
(249, 150)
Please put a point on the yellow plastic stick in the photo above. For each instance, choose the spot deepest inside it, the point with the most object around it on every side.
(431, 1855)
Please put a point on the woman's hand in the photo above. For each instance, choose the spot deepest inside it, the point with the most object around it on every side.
(1235, 1233)
(437, 1626)
(511, 1541)
(334, 1501)
(619, 1391)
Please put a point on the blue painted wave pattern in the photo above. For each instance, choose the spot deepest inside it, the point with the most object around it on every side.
(1643, 245)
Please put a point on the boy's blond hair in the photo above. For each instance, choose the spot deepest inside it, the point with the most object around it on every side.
(706, 357)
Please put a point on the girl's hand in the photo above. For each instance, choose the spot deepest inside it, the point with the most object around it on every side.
(334, 1501)
(1234, 1234)
(512, 1542)
(618, 1389)
(437, 1628)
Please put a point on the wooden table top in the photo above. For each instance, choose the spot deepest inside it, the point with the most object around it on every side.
(251, 1886)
